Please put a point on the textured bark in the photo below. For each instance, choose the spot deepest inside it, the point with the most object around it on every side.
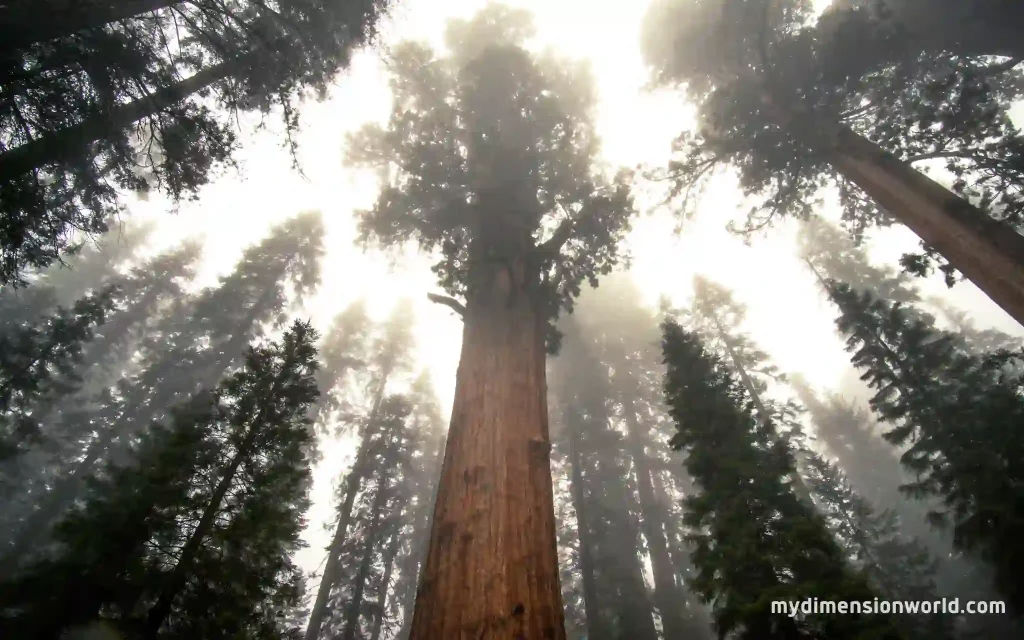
(591, 602)
(988, 252)
(667, 596)
(492, 567)
(63, 145)
(24, 23)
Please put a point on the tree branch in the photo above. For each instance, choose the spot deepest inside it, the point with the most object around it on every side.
(554, 244)
(451, 303)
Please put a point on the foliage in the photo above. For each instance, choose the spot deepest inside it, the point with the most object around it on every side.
(89, 110)
(213, 498)
(755, 541)
(487, 152)
(957, 413)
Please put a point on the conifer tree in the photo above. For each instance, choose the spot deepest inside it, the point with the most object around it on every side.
(958, 416)
(38, 362)
(898, 568)
(498, 171)
(194, 343)
(755, 540)
(118, 88)
(194, 537)
(777, 103)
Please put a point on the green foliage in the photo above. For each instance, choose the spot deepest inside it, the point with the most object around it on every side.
(487, 152)
(899, 568)
(206, 515)
(957, 414)
(85, 109)
(762, 73)
(755, 541)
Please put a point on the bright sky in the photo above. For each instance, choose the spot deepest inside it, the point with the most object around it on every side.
(787, 315)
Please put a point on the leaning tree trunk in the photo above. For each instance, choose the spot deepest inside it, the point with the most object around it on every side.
(591, 603)
(492, 565)
(24, 23)
(988, 252)
(385, 581)
(667, 596)
(354, 609)
(66, 144)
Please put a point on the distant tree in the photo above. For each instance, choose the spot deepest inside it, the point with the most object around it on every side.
(898, 567)
(38, 363)
(197, 534)
(497, 169)
(125, 96)
(957, 413)
(755, 540)
(193, 344)
(777, 101)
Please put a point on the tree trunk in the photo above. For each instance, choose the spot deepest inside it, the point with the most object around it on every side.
(988, 252)
(492, 567)
(667, 596)
(23, 23)
(592, 605)
(176, 580)
(389, 564)
(352, 614)
(63, 145)
(352, 480)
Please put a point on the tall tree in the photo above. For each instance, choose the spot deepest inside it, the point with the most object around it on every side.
(898, 567)
(762, 77)
(195, 536)
(82, 112)
(192, 346)
(389, 356)
(496, 163)
(957, 413)
(755, 540)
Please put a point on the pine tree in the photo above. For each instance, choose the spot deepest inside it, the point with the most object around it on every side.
(498, 160)
(957, 414)
(91, 101)
(756, 542)
(195, 342)
(195, 538)
(898, 568)
(773, 104)
(38, 362)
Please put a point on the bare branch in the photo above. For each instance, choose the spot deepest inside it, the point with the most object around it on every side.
(451, 303)
(554, 244)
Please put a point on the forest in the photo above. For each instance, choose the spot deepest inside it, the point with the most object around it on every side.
(519, 320)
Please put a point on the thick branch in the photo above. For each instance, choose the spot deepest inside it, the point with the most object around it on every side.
(451, 303)
(554, 244)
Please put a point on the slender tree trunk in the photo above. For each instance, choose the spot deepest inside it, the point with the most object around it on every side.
(591, 602)
(24, 23)
(389, 564)
(421, 542)
(352, 614)
(988, 252)
(667, 596)
(352, 480)
(492, 567)
(158, 614)
(60, 146)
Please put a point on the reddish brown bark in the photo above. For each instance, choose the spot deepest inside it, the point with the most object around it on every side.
(492, 569)
(988, 252)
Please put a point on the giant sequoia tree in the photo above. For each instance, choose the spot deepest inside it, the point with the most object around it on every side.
(118, 96)
(778, 102)
(492, 158)
(756, 541)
